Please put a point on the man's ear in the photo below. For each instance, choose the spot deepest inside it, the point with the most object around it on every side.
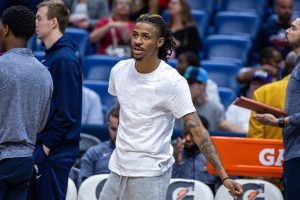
(54, 23)
(160, 42)
(6, 30)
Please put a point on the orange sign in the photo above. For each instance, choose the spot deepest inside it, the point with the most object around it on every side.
(250, 157)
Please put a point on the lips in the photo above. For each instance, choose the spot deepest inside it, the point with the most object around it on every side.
(137, 50)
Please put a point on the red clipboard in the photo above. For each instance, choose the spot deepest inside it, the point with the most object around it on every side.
(257, 106)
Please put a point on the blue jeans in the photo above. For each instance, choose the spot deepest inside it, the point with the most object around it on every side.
(291, 179)
(15, 174)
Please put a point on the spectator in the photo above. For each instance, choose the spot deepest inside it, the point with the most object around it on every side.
(111, 32)
(191, 59)
(140, 7)
(92, 111)
(58, 143)
(273, 32)
(240, 116)
(25, 94)
(183, 28)
(95, 160)
(267, 95)
(270, 61)
(215, 115)
(190, 163)
(86, 13)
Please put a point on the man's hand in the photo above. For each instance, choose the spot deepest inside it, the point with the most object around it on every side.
(178, 150)
(266, 119)
(234, 188)
(46, 150)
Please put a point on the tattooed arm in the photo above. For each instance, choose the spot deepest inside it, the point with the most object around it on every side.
(193, 125)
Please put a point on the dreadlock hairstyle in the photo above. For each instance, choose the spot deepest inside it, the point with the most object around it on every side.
(164, 31)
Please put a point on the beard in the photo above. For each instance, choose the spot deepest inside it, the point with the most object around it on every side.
(292, 45)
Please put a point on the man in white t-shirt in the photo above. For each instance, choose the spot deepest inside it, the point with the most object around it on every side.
(151, 94)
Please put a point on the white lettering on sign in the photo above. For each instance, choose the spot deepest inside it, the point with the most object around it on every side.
(267, 157)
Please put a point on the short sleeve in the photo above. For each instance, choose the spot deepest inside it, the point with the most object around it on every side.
(111, 83)
(180, 101)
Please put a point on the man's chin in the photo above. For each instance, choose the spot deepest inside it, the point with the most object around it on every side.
(138, 58)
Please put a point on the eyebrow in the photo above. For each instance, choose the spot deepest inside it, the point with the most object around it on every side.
(143, 33)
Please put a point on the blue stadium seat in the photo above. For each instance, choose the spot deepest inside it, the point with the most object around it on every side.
(230, 48)
(297, 5)
(81, 39)
(239, 23)
(200, 18)
(99, 131)
(39, 55)
(172, 62)
(258, 6)
(98, 67)
(227, 96)
(224, 74)
(35, 44)
(205, 5)
(79, 36)
(101, 88)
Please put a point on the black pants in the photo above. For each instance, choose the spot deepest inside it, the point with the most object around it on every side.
(15, 174)
(291, 179)
(50, 176)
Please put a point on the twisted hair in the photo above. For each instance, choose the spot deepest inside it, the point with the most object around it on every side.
(164, 31)
(20, 20)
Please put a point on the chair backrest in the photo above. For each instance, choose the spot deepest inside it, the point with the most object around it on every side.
(87, 141)
(39, 55)
(81, 39)
(204, 5)
(258, 6)
(227, 96)
(34, 43)
(71, 191)
(74, 175)
(98, 67)
(231, 48)
(91, 188)
(188, 189)
(99, 131)
(296, 5)
(172, 62)
(224, 74)
(101, 88)
(200, 17)
(253, 189)
(238, 23)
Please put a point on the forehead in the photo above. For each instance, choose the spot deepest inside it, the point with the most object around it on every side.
(284, 2)
(296, 22)
(42, 11)
(147, 28)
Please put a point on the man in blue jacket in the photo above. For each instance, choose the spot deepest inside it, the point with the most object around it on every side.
(58, 143)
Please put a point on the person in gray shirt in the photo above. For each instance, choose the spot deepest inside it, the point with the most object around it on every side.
(25, 93)
(291, 122)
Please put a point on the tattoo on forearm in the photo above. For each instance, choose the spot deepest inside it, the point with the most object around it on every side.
(201, 137)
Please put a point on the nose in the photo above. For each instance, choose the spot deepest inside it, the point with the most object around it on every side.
(137, 40)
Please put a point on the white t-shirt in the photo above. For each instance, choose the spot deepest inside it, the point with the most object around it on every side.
(148, 103)
(92, 111)
(239, 116)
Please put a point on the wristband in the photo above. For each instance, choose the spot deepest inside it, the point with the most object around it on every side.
(281, 123)
(224, 179)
